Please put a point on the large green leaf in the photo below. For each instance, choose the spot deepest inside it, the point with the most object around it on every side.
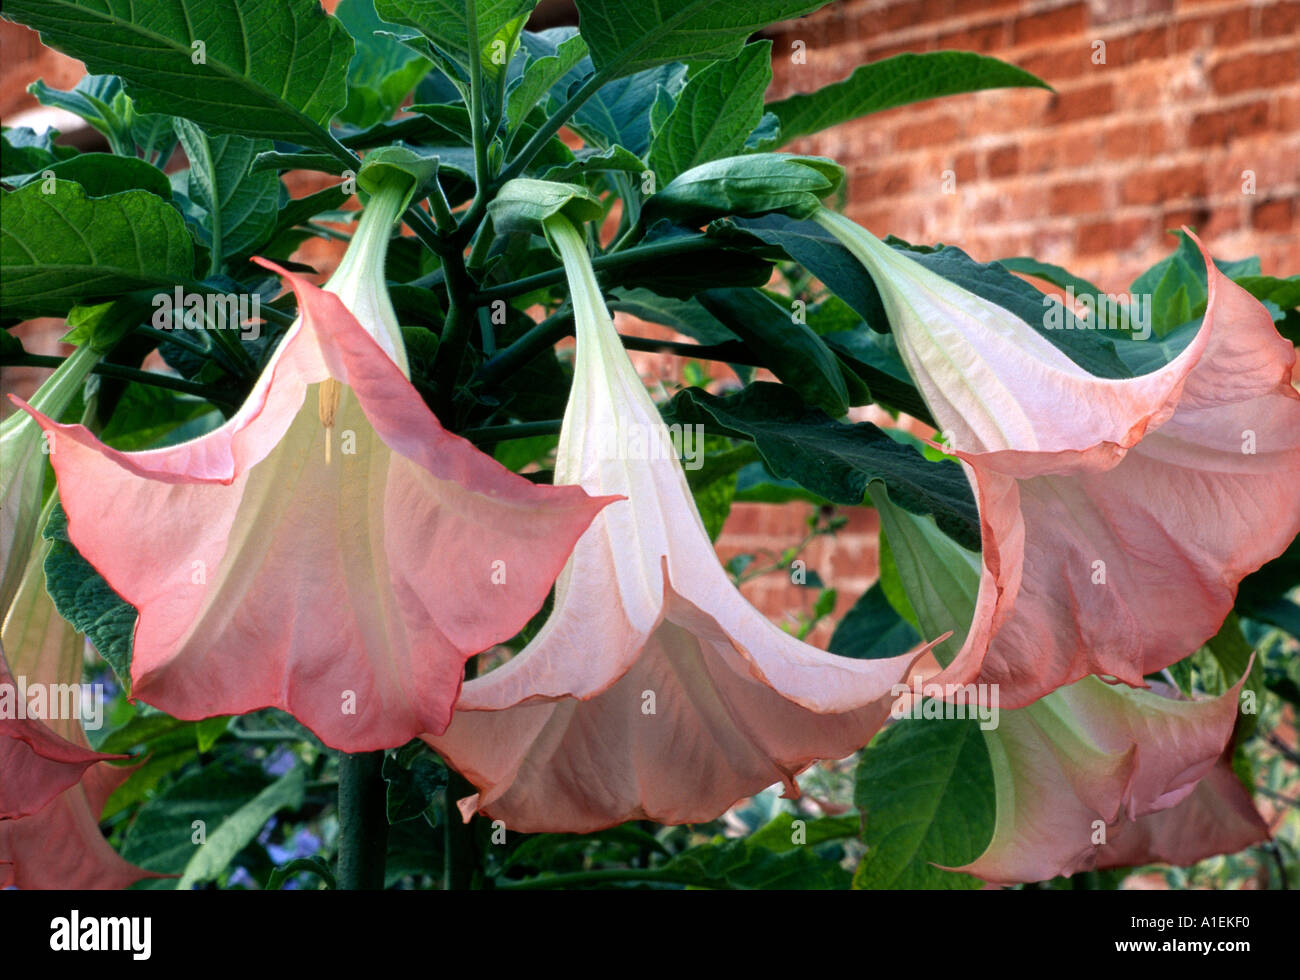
(165, 835)
(237, 830)
(925, 790)
(740, 864)
(715, 113)
(266, 68)
(239, 207)
(446, 23)
(627, 37)
(102, 174)
(788, 348)
(383, 70)
(895, 81)
(834, 459)
(24, 151)
(550, 59)
(872, 630)
(58, 249)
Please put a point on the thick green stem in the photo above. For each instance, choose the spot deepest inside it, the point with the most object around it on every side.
(363, 821)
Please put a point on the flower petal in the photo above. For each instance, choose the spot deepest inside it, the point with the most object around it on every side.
(348, 591)
(1072, 769)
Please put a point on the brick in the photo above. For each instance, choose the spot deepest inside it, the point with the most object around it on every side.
(1131, 139)
(1145, 45)
(1082, 103)
(1117, 11)
(1058, 64)
(963, 166)
(1274, 215)
(1251, 71)
(1148, 186)
(1278, 20)
(1220, 126)
(984, 38)
(1110, 235)
(1076, 197)
(1050, 24)
(943, 129)
(1002, 161)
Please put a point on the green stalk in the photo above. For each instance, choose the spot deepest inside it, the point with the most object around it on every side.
(363, 821)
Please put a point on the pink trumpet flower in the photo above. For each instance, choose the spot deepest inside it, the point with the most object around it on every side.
(654, 690)
(1118, 516)
(1095, 775)
(331, 550)
(52, 785)
(1092, 774)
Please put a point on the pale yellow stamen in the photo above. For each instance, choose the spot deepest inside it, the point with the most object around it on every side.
(328, 405)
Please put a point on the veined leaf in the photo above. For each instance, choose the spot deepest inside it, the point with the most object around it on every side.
(258, 68)
(895, 81)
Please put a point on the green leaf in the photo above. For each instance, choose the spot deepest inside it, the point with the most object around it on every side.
(627, 37)
(544, 69)
(612, 159)
(872, 630)
(1285, 293)
(446, 24)
(239, 829)
(895, 81)
(382, 72)
(162, 835)
(415, 778)
(310, 865)
(239, 207)
(741, 864)
(752, 184)
(23, 151)
(269, 68)
(85, 600)
(834, 459)
(523, 204)
(939, 573)
(781, 834)
(62, 248)
(714, 114)
(925, 790)
(620, 110)
(789, 349)
(102, 174)
(686, 316)
(1179, 296)
(874, 358)
(1054, 274)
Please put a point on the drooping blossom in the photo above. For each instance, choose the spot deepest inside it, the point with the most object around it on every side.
(1097, 775)
(53, 786)
(1118, 516)
(331, 550)
(1092, 774)
(654, 690)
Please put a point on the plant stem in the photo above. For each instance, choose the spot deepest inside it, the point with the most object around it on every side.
(216, 395)
(642, 253)
(363, 821)
(489, 434)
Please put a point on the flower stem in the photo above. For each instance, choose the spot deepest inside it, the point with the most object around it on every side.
(363, 821)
